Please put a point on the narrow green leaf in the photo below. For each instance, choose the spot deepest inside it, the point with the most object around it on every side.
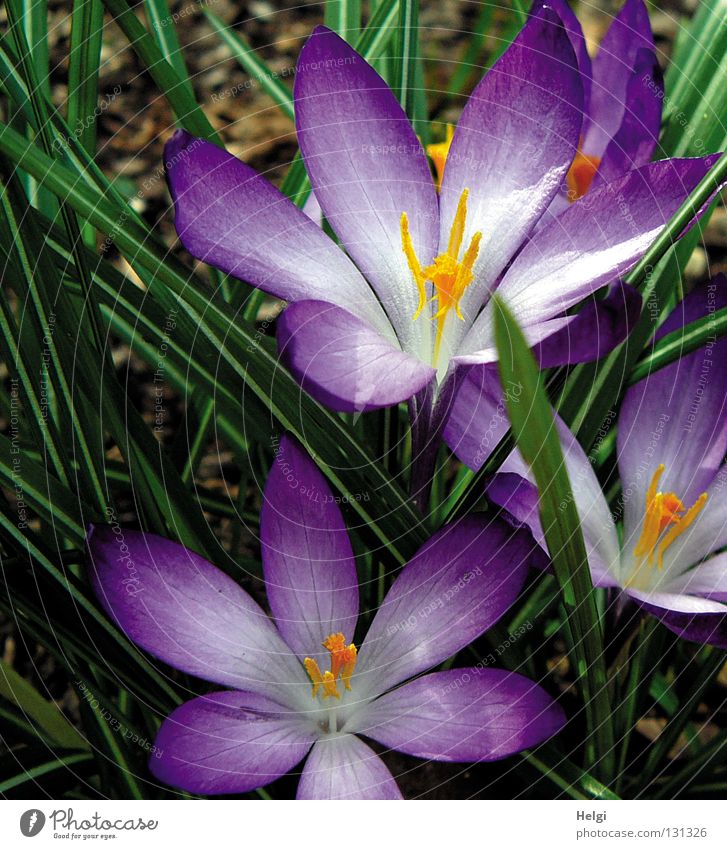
(48, 716)
(407, 56)
(83, 70)
(242, 51)
(55, 764)
(163, 26)
(681, 342)
(188, 112)
(344, 17)
(534, 429)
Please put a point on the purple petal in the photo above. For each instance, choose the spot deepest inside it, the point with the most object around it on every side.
(478, 416)
(310, 573)
(708, 580)
(698, 620)
(230, 742)
(366, 166)
(677, 415)
(344, 767)
(601, 325)
(188, 613)
(475, 714)
(578, 41)
(343, 362)
(513, 146)
(596, 240)
(613, 70)
(513, 488)
(636, 139)
(229, 216)
(458, 585)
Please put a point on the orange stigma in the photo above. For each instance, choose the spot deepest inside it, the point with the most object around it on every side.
(343, 663)
(663, 510)
(438, 153)
(449, 274)
(581, 173)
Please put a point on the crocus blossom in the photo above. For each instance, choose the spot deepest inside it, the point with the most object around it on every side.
(298, 683)
(623, 94)
(672, 440)
(407, 300)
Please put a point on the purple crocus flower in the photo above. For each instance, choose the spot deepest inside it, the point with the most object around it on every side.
(672, 440)
(623, 94)
(408, 301)
(298, 685)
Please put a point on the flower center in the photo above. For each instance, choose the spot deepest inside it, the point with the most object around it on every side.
(665, 519)
(343, 662)
(580, 174)
(448, 274)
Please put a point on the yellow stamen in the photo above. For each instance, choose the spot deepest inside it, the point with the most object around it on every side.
(581, 173)
(414, 265)
(680, 527)
(438, 153)
(449, 275)
(349, 666)
(313, 670)
(343, 663)
(662, 510)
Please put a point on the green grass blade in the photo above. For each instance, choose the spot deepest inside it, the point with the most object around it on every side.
(257, 69)
(344, 17)
(162, 24)
(46, 714)
(534, 429)
(681, 342)
(187, 110)
(83, 70)
(407, 56)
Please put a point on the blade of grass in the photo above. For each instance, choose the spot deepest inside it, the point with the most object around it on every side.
(395, 523)
(242, 51)
(407, 57)
(534, 429)
(344, 17)
(681, 342)
(46, 714)
(162, 24)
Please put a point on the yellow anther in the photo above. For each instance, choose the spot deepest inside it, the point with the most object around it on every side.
(662, 510)
(438, 153)
(681, 526)
(414, 266)
(343, 663)
(329, 686)
(581, 173)
(313, 670)
(448, 275)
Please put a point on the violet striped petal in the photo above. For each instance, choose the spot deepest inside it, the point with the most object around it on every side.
(708, 580)
(613, 70)
(513, 488)
(456, 586)
(229, 216)
(512, 148)
(188, 613)
(677, 416)
(698, 620)
(475, 714)
(366, 166)
(344, 767)
(229, 742)
(310, 572)
(343, 362)
(596, 240)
